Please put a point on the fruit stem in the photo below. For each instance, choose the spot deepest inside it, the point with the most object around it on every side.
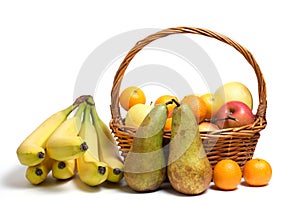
(87, 114)
(90, 101)
(232, 118)
(169, 102)
(173, 101)
(81, 99)
(80, 110)
(219, 119)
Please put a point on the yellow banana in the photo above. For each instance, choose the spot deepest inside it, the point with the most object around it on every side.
(64, 143)
(90, 170)
(32, 150)
(63, 169)
(108, 149)
(38, 173)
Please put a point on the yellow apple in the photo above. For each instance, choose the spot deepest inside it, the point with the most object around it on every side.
(234, 91)
(207, 126)
(212, 104)
(136, 114)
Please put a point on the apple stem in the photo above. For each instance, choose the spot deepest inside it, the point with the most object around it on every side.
(232, 118)
(219, 119)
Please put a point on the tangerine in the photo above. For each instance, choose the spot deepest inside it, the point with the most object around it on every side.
(168, 125)
(257, 172)
(197, 105)
(212, 103)
(131, 96)
(227, 174)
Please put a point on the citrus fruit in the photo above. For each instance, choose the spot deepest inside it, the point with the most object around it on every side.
(212, 102)
(257, 172)
(165, 99)
(227, 174)
(131, 96)
(197, 105)
(168, 124)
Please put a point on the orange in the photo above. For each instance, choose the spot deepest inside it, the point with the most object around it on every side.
(212, 103)
(131, 96)
(197, 105)
(168, 125)
(257, 172)
(227, 174)
(165, 99)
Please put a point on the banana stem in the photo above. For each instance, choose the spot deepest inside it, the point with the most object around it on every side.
(90, 101)
(81, 99)
(80, 110)
(87, 115)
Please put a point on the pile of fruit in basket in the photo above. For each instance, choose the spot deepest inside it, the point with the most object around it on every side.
(186, 166)
(230, 106)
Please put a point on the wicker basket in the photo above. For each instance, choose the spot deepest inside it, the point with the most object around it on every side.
(235, 143)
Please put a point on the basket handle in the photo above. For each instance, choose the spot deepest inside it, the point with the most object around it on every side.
(115, 109)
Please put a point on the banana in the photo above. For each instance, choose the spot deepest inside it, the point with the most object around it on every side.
(64, 143)
(32, 150)
(38, 173)
(63, 169)
(90, 170)
(108, 149)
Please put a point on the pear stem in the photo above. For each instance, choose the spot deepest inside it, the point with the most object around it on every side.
(176, 102)
(173, 101)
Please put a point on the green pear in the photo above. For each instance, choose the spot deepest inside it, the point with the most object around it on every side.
(189, 170)
(145, 165)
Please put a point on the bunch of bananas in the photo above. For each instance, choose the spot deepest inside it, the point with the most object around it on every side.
(67, 145)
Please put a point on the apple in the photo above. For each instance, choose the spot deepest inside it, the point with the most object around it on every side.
(207, 126)
(234, 91)
(136, 114)
(233, 114)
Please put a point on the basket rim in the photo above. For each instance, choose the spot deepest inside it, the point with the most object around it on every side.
(260, 115)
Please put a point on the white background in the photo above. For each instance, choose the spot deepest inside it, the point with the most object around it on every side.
(43, 45)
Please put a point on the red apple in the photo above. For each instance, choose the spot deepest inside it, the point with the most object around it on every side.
(233, 114)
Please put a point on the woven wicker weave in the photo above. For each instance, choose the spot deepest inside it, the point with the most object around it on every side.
(235, 143)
